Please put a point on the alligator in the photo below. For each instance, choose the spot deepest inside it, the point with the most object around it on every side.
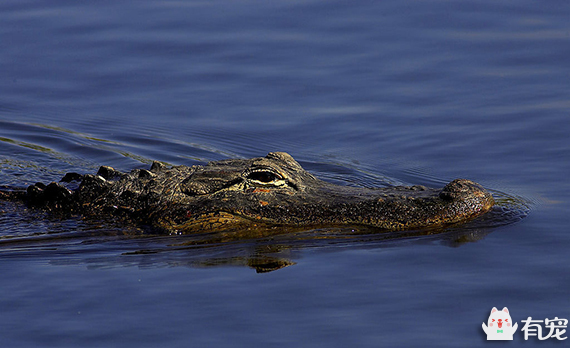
(264, 192)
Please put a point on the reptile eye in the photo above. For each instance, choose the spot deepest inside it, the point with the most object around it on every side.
(264, 176)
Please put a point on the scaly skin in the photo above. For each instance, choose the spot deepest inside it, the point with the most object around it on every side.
(261, 193)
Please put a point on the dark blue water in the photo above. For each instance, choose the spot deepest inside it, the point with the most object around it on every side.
(363, 93)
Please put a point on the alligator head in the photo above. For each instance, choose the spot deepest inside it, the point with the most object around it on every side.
(260, 192)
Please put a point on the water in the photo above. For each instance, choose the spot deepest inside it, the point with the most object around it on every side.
(361, 93)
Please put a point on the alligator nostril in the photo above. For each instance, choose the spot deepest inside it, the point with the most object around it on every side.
(458, 188)
(446, 195)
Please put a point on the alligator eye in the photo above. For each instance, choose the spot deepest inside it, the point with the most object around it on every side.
(264, 176)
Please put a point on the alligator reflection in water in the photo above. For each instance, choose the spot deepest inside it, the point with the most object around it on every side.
(89, 243)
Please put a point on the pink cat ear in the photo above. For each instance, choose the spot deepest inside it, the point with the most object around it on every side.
(505, 310)
(493, 310)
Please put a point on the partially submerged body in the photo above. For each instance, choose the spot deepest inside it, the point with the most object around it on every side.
(269, 191)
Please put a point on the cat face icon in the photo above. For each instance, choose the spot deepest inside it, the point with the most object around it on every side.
(500, 325)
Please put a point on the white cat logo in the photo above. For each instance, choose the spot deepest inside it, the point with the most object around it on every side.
(500, 325)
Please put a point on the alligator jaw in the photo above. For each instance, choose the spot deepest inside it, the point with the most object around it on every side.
(396, 208)
(390, 209)
(216, 221)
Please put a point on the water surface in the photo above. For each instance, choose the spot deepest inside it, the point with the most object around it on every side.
(361, 93)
